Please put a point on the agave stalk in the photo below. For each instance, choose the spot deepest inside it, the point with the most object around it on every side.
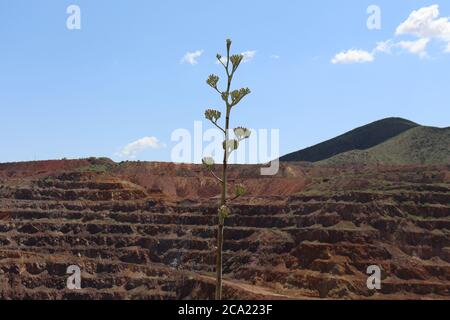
(231, 98)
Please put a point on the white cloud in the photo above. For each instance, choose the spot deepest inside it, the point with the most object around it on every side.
(191, 57)
(416, 47)
(425, 23)
(132, 149)
(275, 57)
(353, 56)
(248, 55)
(448, 48)
(384, 46)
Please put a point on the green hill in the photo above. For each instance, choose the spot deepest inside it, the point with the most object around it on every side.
(361, 138)
(420, 145)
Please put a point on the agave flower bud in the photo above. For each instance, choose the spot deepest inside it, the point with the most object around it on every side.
(236, 60)
(224, 212)
(234, 95)
(242, 133)
(225, 96)
(230, 145)
(212, 115)
(212, 81)
(208, 163)
(244, 91)
(228, 44)
(237, 95)
(239, 190)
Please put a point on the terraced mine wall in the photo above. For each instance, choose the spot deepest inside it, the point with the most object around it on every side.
(147, 231)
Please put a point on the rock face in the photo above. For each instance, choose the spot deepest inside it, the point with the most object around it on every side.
(146, 231)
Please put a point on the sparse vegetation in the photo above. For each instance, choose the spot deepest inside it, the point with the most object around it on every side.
(361, 138)
(420, 145)
(100, 165)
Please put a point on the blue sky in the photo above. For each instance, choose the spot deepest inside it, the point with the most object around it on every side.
(91, 92)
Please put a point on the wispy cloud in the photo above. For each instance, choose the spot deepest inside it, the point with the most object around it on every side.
(248, 56)
(418, 47)
(352, 56)
(132, 149)
(274, 56)
(191, 57)
(384, 46)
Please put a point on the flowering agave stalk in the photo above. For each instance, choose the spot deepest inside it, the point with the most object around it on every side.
(230, 98)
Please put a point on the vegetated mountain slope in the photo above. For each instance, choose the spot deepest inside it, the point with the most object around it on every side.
(421, 145)
(358, 139)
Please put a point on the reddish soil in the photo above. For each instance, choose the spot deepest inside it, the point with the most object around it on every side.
(146, 231)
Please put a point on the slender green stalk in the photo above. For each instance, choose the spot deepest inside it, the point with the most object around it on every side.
(229, 146)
